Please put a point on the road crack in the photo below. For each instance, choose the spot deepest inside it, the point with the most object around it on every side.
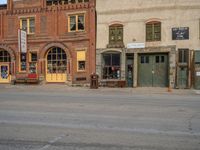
(51, 142)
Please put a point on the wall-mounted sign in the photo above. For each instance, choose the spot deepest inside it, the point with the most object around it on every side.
(22, 41)
(136, 45)
(181, 33)
(198, 74)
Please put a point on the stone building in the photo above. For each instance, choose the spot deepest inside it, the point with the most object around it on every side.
(60, 37)
(147, 43)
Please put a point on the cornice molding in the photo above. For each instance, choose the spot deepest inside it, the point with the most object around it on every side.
(52, 8)
(146, 9)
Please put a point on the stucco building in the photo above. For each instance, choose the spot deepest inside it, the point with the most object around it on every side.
(60, 40)
(147, 43)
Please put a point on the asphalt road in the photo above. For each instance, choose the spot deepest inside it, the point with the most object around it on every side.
(61, 118)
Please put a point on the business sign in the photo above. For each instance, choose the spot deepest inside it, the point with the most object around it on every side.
(135, 45)
(181, 33)
(22, 41)
(197, 73)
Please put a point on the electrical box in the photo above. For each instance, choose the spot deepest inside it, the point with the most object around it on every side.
(197, 70)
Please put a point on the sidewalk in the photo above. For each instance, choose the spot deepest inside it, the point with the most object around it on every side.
(65, 88)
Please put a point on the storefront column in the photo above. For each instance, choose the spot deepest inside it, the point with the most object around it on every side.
(135, 71)
(123, 65)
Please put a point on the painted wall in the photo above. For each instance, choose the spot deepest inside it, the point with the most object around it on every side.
(133, 14)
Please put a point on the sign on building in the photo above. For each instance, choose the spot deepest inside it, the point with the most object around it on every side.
(22, 41)
(181, 33)
(135, 45)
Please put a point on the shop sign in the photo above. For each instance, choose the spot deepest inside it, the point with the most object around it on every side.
(22, 41)
(181, 33)
(197, 73)
(135, 45)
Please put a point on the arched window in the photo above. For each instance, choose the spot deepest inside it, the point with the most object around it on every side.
(153, 31)
(56, 61)
(116, 35)
(4, 56)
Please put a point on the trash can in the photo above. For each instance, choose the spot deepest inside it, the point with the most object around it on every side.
(94, 84)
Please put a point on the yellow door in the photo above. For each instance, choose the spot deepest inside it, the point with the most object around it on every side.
(56, 65)
(4, 73)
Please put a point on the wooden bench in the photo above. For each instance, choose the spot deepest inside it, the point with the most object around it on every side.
(30, 79)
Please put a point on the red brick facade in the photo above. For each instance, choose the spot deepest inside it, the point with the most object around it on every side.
(51, 30)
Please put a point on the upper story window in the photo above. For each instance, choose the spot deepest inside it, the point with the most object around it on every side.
(60, 2)
(28, 25)
(153, 31)
(116, 36)
(76, 23)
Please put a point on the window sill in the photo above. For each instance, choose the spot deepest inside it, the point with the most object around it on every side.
(115, 45)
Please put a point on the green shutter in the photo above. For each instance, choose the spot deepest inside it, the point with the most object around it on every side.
(149, 32)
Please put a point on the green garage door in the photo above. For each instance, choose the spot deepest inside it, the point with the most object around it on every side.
(153, 70)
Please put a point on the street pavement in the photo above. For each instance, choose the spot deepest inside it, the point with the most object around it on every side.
(58, 117)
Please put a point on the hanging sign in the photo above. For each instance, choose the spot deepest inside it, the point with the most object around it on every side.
(181, 33)
(22, 41)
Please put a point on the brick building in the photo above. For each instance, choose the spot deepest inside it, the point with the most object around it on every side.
(60, 40)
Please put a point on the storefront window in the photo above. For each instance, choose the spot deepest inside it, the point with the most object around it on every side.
(56, 61)
(4, 56)
(111, 66)
(81, 60)
(23, 62)
(33, 62)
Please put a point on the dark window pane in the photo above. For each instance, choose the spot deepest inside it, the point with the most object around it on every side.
(1, 53)
(73, 1)
(72, 23)
(147, 59)
(157, 59)
(23, 61)
(54, 50)
(59, 50)
(33, 56)
(116, 59)
(49, 57)
(63, 56)
(142, 61)
(162, 59)
(81, 65)
(23, 56)
(54, 56)
(81, 22)
(32, 25)
(107, 59)
(24, 24)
